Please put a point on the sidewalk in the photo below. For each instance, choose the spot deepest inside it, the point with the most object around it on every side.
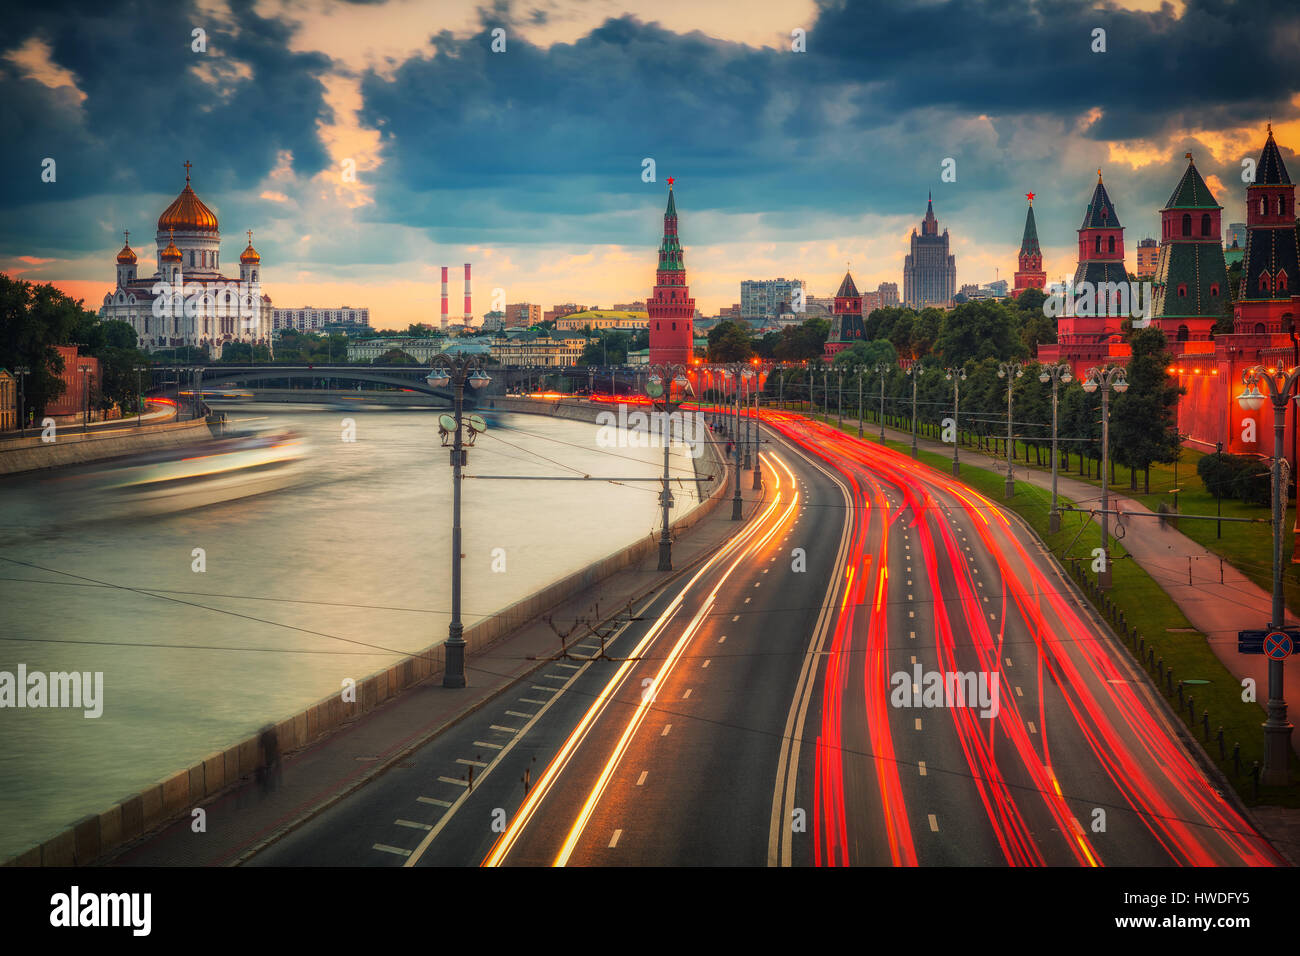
(330, 768)
(1217, 609)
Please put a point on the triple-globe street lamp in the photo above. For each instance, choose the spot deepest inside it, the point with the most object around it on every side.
(659, 387)
(914, 372)
(1106, 379)
(1056, 374)
(956, 375)
(457, 369)
(1010, 371)
(882, 369)
(1281, 385)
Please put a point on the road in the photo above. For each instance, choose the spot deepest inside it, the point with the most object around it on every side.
(881, 668)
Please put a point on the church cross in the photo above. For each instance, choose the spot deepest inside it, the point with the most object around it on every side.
(188, 164)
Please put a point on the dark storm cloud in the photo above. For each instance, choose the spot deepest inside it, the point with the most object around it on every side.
(502, 143)
(146, 111)
(1220, 61)
(546, 145)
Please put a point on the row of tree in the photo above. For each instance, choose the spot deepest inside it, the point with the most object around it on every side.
(1143, 419)
(988, 328)
(34, 319)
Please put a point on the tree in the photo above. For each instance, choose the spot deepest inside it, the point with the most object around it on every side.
(804, 342)
(729, 342)
(1144, 419)
(977, 331)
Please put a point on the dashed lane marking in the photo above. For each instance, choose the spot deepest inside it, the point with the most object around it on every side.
(413, 825)
(613, 841)
(396, 850)
(432, 802)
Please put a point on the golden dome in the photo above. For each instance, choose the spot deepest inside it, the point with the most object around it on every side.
(171, 253)
(250, 254)
(127, 256)
(188, 212)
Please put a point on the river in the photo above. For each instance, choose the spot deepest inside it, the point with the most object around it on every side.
(335, 577)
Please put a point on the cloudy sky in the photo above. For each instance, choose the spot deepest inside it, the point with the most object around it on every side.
(529, 162)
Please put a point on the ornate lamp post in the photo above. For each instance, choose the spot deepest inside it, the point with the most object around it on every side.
(861, 372)
(1010, 371)
(758, 468)
(85, 407)
(139, 397)
(1056, 374)
(22, 371)
(956, 376)
(914, 372)
(457, 369)
(1105, 379)
(736, 371)
(659, 386)
(882, 369)
(1277, 729)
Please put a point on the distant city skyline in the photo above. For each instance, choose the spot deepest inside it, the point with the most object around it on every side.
(791, 172)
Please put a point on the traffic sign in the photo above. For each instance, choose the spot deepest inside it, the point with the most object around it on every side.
(1252, 641)
(1278, 645)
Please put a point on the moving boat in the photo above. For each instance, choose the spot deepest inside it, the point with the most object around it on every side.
(237, 466)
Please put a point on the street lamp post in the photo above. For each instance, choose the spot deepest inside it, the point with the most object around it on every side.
(882, 369)
(1056, 374)
(659, 386)
(839, 400)
(85, 407)
(1277, 729)
(914, 372)
(1105, 379)
(22, 371)
(861, 371)
(735, 372)
(758, 468)
(1010, 371)
(742, 401)
(457, 370)
(139, 397)
(956, 376)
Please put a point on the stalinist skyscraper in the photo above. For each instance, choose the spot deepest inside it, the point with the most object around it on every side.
(929, 272)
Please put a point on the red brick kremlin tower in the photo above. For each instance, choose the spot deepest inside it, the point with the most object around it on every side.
(1030, 275)
(1270, 275)
(1087, 340)
(1191, 281)
(847, 326)
(671, 308)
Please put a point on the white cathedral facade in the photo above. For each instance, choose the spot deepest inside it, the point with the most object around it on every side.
(188, 301)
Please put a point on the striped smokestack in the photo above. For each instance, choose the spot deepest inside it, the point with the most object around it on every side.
(468, 313)
(444, 297)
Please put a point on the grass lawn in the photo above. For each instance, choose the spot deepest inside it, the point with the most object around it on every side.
(1161, 626)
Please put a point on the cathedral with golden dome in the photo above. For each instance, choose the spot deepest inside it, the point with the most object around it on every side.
(188, 302)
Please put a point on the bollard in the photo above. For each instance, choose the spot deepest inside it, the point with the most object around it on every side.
(1191, 710)
(1205, 723)
(1236, 758)
(1142, 647)
(1222, 753)
(1254, 772)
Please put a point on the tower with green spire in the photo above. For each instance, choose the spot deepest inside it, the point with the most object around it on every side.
(1030, 274)
(670, 308)
(1191, 282)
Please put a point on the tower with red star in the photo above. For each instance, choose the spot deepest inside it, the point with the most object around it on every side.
(1030, 274)
(671, 308)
